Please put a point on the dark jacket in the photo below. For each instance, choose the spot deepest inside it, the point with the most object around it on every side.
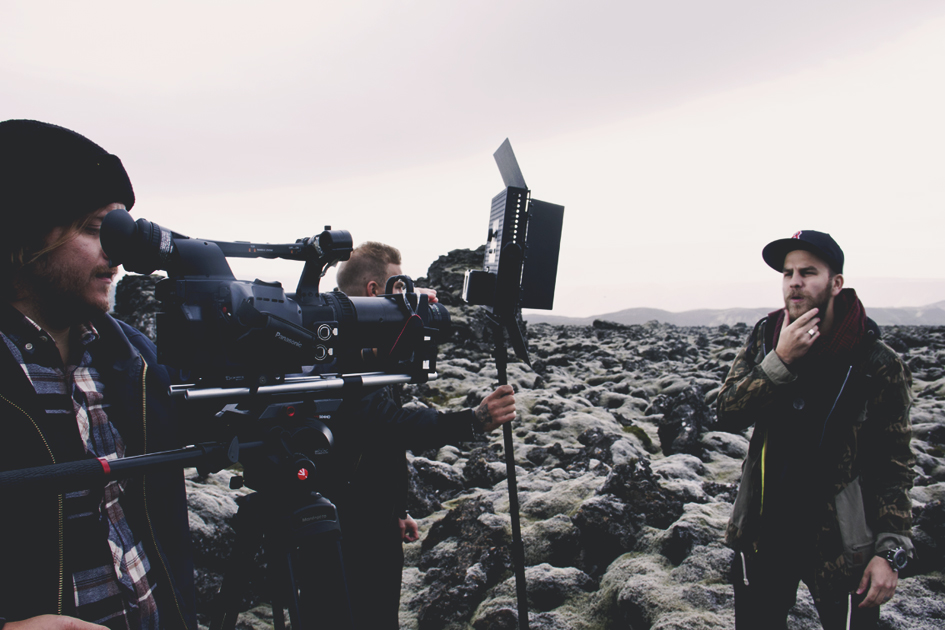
(371, 435)
(32, 579)
(831, 441)
(368, 483)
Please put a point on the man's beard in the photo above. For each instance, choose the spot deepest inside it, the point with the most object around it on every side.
(820, 301)
(66, 295)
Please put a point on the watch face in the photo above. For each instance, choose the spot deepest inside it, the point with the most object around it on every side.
(898, 558)
(901, 558)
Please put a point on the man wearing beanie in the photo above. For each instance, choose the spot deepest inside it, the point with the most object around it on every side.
(824, 492)
(77, 384)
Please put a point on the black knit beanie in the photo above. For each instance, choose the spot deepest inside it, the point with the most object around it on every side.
(51, 176)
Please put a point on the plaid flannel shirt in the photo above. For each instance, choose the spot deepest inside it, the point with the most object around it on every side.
(109, 568)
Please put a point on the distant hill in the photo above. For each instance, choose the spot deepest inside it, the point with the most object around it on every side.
(930, 315)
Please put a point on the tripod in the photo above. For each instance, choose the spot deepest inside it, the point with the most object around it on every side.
(296, 527)
(301, 539)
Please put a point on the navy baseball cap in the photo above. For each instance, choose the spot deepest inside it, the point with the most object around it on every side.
(819, 243)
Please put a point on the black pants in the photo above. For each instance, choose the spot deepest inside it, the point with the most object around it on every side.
(374, 562)
(762, 602)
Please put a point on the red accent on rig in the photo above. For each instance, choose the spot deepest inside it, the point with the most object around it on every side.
(105, 467)
(303, 474)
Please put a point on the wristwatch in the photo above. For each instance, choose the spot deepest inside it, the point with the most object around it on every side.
(897, 558)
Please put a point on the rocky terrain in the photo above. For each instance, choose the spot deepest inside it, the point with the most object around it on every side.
(624, 486)
(928, 315)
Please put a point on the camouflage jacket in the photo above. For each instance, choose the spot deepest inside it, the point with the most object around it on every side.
(859, 410)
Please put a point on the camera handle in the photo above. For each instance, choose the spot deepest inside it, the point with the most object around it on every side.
(392, 282)
(85, 473)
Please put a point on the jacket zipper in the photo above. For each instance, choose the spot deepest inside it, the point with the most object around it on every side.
(834, 406)
(764, 446)
(59, 498)
(144, 492)
(744, 568)
(764, 455)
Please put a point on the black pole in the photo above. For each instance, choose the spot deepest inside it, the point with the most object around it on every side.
(518, 548)
(87, 473)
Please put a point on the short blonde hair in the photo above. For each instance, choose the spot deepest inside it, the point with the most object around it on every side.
(369, 261)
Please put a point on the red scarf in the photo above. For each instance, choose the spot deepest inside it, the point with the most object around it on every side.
(849, 326)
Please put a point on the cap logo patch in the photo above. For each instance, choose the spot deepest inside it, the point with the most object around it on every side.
(797, 235)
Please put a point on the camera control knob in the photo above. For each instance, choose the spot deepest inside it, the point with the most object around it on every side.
(304, 469)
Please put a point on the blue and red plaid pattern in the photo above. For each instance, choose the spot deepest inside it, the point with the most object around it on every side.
(108, 564)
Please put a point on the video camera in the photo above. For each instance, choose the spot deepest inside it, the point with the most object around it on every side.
(235, 333)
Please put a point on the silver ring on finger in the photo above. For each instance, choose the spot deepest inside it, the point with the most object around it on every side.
(811, 332)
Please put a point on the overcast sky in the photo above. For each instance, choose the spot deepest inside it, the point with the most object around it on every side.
(681, 136)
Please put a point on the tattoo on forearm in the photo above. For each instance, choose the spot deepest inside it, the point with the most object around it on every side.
(483, 415)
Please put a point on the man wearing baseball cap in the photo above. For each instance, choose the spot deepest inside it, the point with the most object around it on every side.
(824, 492)
(77, 384)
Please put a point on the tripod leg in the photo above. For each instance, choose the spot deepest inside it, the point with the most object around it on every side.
(278, 617)
(292, 591)
(249, 534)
(301, 537)
(308, 561)
(320, 588)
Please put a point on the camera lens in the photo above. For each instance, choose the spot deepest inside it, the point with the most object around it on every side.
(440, 319)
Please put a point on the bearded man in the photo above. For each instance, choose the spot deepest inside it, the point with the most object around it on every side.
(76, 384)
(824, 492)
